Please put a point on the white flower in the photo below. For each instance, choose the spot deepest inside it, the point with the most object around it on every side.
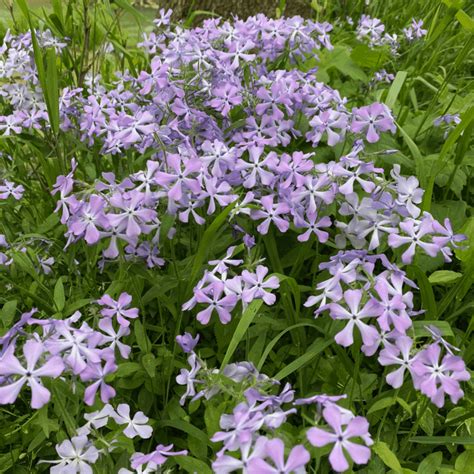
(96, 419)
(136, 425)
(75, 454)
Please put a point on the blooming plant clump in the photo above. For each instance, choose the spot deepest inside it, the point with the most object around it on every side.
(217, 194)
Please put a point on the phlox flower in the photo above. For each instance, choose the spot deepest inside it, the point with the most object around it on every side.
(31, 375)
(343, 436)
(256, 286)
(372, 119)
(118, 309)
(275, 451)
(136, 425)
(354, 316)
(435, 377)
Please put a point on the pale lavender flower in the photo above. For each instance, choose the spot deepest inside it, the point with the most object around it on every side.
(136, 426)
(342, 437)
(11, 366)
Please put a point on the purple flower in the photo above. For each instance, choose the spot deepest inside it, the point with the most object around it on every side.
(188, 377)
(213, 295)
(10, 365)
(354, 317)
(436, 378)
(224, 464)
(239, 427)
(275, 450)
(416, 231)
(398, 354)
(256, 286)
(187, 342)
(342, 437)
(159, 456)
(86, 220)
(372, 119)
(98, 372)
(10, 189)
(271, 212)
(118, 308)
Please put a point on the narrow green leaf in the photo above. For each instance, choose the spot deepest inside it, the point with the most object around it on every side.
(395, 88)
(275, 340)
(141, 337)
(427, 295)
(207, 242)
(52, 89)
(444, 440)
(316, 348)
(61, 409)
(59, 297)
(186, 427)
(244, 323)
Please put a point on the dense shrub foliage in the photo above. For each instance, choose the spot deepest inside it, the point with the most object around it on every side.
(242, 246)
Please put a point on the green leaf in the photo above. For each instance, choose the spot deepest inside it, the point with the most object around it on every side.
(275, 340)
(367, 57)
(419, 328)
(207, 243)
(318, 346)
(416, 153)
(395, 88)
(443, 440)
(465, 462)
(186, 427)
(8, 313)
(141, 337)
(60, 406)
(149, 364)
(431, 463)
(244, 323)
(466, 21)
(52, 89)
(427, 295)
(387, 456)
(190, 464)
(59, 297)
(381, 404)
(444, 277)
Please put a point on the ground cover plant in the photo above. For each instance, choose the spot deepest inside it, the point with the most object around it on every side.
(237, 246)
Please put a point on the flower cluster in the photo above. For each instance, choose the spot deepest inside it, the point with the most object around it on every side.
(222, 294)
(78, 453)
(62, 347)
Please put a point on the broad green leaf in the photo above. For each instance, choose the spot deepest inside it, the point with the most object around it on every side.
(149, 363)
(381, 404)
(444, 277)
(431, 463)
(465, 462)
(193, 465)
(466, 21)
(419, 328)
(8, 313)
(387, 456)
(244, 323)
